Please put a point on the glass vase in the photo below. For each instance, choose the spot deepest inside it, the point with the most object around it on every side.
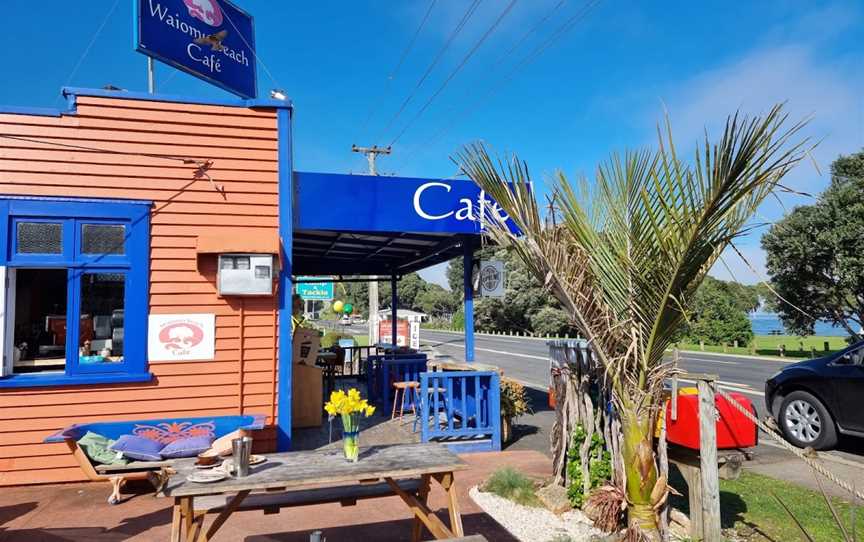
(351, 436)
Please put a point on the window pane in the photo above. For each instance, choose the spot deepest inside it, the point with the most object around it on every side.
(39, 238)
(103, 239)
(101, 337)
(40, 320)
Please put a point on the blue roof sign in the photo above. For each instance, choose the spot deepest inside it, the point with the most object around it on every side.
(333, 201)
(210, 39)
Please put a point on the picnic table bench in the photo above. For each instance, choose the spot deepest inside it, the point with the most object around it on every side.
(321, 476)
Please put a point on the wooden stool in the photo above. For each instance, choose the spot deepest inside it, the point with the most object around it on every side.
(402, 386)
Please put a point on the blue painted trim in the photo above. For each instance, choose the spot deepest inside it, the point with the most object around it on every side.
(467, 262)
(286, 236)
(172, 98)
(71, 94)
(42, 380)
(34, 111)
(99, 201)
(394, 301)
(72, 213)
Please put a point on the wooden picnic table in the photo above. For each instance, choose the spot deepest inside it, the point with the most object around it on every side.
(319, 476)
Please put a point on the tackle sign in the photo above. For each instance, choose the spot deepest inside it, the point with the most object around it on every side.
(210, 39)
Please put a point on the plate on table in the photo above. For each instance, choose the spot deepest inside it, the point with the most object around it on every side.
(257, 459)
(207, 476)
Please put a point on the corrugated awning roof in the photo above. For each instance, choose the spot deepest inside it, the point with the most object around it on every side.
(322, 252)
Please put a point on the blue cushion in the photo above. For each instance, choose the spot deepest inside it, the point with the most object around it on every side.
(140, 448)
(186, 447)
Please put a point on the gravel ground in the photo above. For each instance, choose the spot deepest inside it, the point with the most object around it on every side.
(534, 524)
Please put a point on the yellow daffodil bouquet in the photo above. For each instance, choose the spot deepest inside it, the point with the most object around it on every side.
(350, 407)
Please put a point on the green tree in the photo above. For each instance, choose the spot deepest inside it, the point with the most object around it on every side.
(631, 250)
(719, 313)
(816, 254)
(436, 301)
(550, 321)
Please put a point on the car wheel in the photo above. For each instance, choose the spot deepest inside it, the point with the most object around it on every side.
(806, 422)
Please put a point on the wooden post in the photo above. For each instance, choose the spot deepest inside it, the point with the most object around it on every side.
(735, 343)
(724, 347)
(702, 345)
(710, 476)
(812, 351)
(782, 350)
(825, 346)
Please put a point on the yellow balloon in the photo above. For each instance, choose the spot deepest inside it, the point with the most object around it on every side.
(338, 306)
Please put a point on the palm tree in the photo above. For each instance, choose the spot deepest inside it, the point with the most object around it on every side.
(630, 251)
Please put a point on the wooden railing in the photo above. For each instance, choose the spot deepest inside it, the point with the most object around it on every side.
(471, 404)
(383, 371)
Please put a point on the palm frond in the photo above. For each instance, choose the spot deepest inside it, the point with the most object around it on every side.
(635, 244)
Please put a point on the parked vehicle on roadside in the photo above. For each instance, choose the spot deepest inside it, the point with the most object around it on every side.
(815, 401)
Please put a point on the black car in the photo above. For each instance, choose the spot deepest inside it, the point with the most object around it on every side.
(813, 401)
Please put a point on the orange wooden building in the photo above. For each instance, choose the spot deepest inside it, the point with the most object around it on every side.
(148, 245)
(117, 149)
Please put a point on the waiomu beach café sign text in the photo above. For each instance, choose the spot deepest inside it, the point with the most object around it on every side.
(210, 39)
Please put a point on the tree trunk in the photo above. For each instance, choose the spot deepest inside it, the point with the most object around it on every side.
(640, 469)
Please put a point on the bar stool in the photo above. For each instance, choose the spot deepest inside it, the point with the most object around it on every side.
(406, 387)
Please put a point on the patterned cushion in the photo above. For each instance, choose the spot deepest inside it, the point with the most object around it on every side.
(140, 448)
(187, 447)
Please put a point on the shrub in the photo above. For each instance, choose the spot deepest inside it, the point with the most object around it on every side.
(599, 465)
(514, 400)
(510, 484)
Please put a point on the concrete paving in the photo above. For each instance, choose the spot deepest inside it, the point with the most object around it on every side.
(526, 360)
(78, 512)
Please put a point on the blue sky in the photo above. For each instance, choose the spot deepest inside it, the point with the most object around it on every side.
(599, 88)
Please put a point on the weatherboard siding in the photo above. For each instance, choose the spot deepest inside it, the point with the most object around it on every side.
(243, 146)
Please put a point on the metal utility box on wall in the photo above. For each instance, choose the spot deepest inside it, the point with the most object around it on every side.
(245, 274)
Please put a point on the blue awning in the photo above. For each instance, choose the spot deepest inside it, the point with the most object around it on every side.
(375, 225)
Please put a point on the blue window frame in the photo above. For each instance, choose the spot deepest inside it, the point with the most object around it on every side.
(104, 248)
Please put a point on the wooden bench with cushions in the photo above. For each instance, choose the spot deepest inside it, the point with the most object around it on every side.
(163, 430)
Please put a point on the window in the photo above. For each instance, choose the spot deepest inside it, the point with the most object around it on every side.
(76, 274)
(39, 238)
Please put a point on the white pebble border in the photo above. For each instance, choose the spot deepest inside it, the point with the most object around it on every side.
(534, 524)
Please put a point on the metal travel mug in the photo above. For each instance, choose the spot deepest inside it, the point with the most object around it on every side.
(241, 449)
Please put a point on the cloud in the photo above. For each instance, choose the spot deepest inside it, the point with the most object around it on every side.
(812, 83)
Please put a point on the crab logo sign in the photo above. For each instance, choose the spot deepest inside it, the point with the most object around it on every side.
(178, 337)
(207, 11)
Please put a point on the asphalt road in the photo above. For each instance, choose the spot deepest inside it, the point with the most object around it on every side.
(527, 360)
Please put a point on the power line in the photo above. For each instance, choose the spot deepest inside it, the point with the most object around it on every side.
(533, 29)
(392, 75)
(471, 9)
(532, 56)
(252, 49)
(458, 68)
(90, 45)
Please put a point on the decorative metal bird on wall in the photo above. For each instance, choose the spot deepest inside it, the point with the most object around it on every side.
(213, 40)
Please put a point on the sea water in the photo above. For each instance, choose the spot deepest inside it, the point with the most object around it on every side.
(769, 323)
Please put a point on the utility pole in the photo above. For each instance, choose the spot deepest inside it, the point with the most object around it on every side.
(371, 154)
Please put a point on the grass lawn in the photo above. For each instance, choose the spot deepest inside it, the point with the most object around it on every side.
(769, 345)
(748, 506)
(361, 340)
